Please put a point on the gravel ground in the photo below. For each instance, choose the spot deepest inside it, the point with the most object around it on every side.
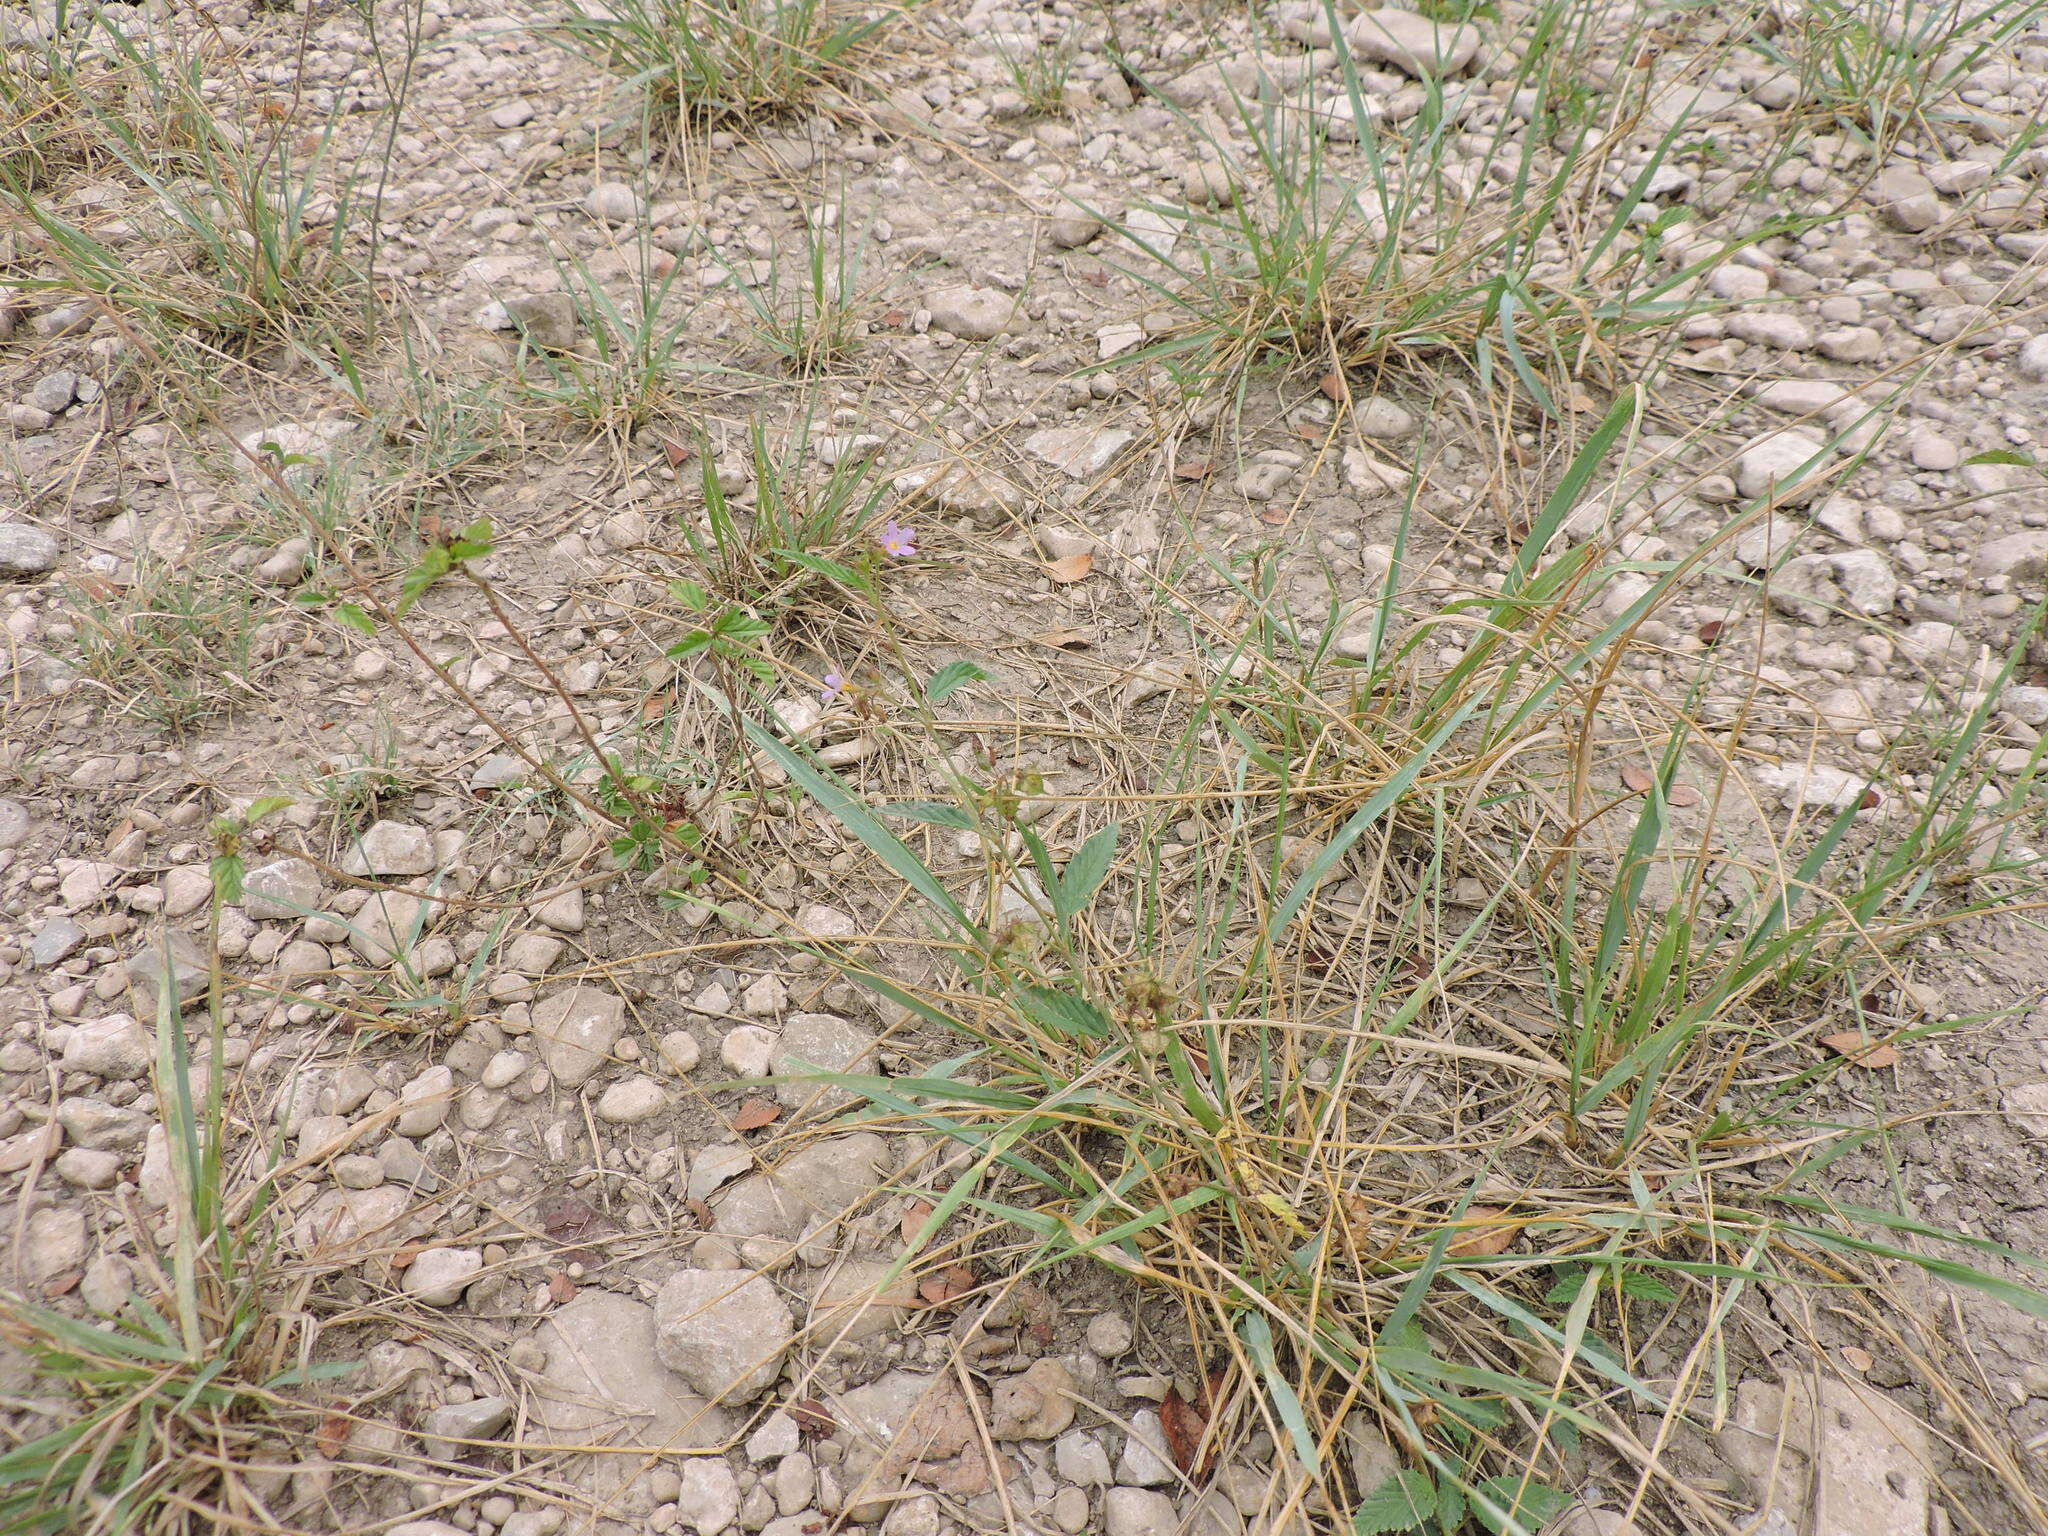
(984, 297)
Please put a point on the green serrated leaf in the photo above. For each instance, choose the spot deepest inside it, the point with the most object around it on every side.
(1523, 1507)
(353, 616)
(951, 678)
(1062, 1012)
(934, 813)
(2002, 456)
(1086, 871)
(1404, 1502)
(690, 594)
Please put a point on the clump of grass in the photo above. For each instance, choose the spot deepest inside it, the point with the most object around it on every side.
(800, 546)
(1399, 1075)
(174, 644)
(810, 319)
(1888, 69)
(1040, 75)
(704, 61)
(174, 1397)
(1397, 256)
(635, 367)
(236, 244)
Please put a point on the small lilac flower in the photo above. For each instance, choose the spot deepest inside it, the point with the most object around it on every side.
(835, 687)
(896, 540)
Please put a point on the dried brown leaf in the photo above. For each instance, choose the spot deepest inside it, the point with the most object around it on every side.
(915, 1215)
(566, 1218)
(948, 1285)
(1486, 1232)
(756, 1113)
(1860, 1049)
(1637, 779)
(1071, 568)
(561, 1289)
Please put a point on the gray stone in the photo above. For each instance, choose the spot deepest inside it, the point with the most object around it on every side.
(1373, 1460)
(632, 1100)
(478, 1419)
(52, 1243)
(425, 1100)
(973, 314)
(116, 1046)
(15, 822)
(89, 1168)
(2022, 556)
(300, 450)
(53, 391)
(1907, 198)
(778, 1436)
(1071, 231)
(807, 1193)
(616, 203)
(26, 551)
(722, 1332)
(392, 848)
(576, 1031)
(710, 1496)
(188, 971)
(1080, 452)
(347, 1224)
(186, 889)
(1146, 1462)
(605, 1384)
(95, 1123)
(1382, 418)
(2026, 1106)
(1872, 1467)
(1413, 44)
(2032, 358)
(1035, 1404)
(1078, 1458)
(1138, 1512)
(107, 1284)
(545, 319)
(1777, 465)
(1109, 1335)
(55, 940)
(389, 927)
(820, 1042)
(853, 1302)
(280, 890)
(439, 1276)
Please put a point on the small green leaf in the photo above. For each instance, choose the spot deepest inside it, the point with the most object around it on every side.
(1062, 1012)
(934, 813)
(951, 678)
(353, 616)
(227, 872)
(695, 641)
(1086, 871)
(1531, 1504)
(690, 594)
(1404, 1502)
(2002, 456)
(845, 574)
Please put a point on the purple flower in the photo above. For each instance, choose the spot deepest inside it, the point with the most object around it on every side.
(835, 687)
(896, 540)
